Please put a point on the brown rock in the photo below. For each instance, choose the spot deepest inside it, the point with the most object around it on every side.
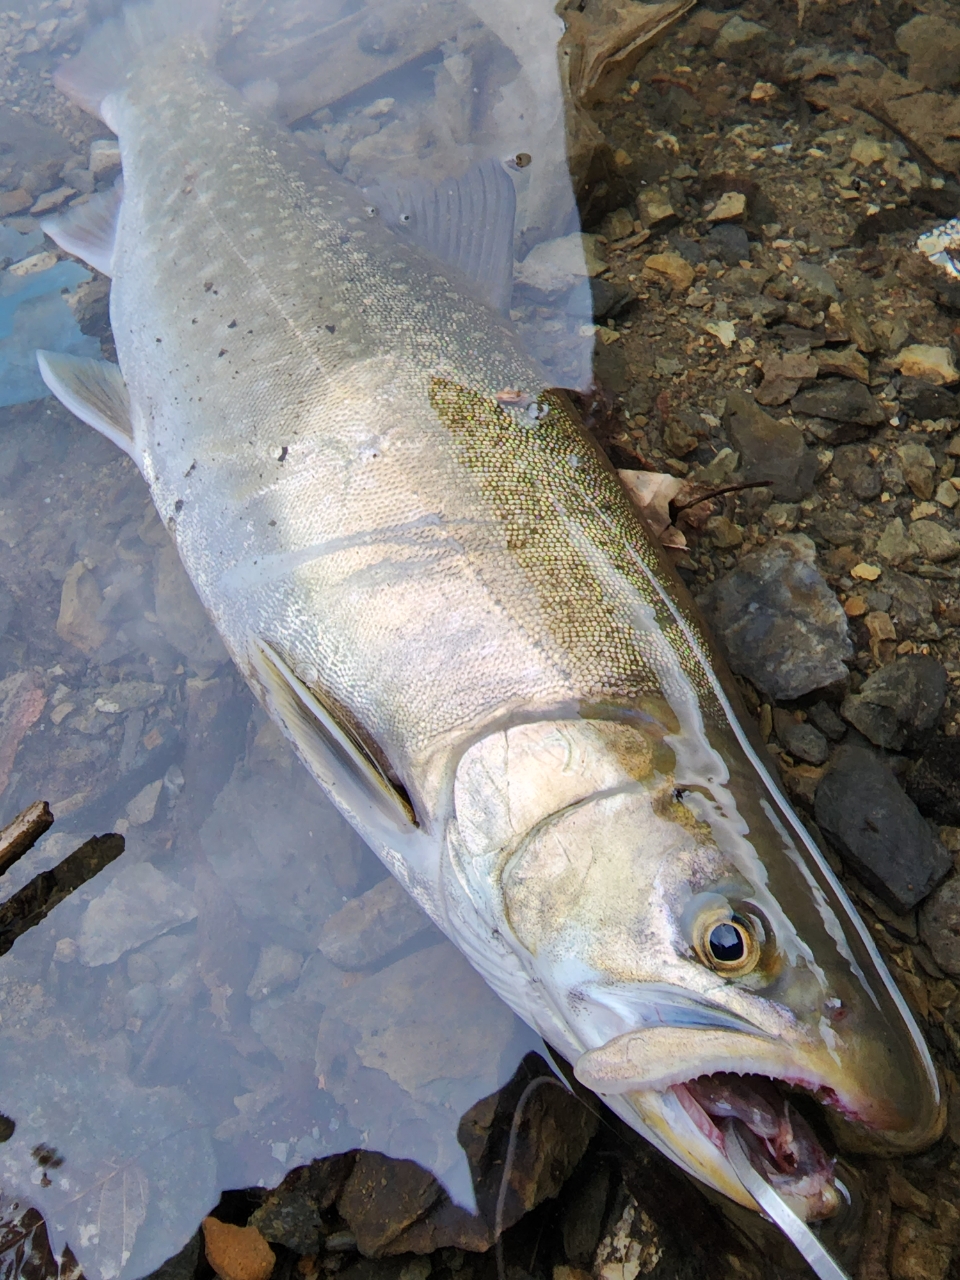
(783, 377)
(382, 1197)
(847, 363)
(906, 1196)
(671, 267)
(368, 928)
(237, 1253)
(12, 202)
(936, 543)
(940, 925)
(51, 200)
(917, 1252)
(918, 466)
(21, 704)
(80, 604)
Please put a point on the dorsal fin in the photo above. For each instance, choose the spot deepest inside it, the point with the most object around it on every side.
(95, 391)
(332, 751)
(467, 222)
(89, 230)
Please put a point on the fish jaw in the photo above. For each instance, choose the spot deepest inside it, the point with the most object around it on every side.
(684, 1086)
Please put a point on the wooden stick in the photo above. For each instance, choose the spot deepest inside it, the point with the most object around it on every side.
(23, 833)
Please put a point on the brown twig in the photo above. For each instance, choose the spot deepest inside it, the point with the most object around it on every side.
(23, 833)
(718, 493)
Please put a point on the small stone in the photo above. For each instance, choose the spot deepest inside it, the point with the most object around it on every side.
(853, 465)
(142, 808)
(738, 37)
(946, 494)
(80, 604)
(894, 545)
(900, 700)
(801, 739)
(840, 401)
(784, 376)
(104, 156)
(924, 400)
(672, 267)
(866, 572)
(934, 781)
(12, 202)
(237, 1253)
(724, 533)
(369, 927)
(935, 543)
(138, 905)
(33, 265)
(953, 448)
(51, 200)
(731, 206)
(781, 625)
(618, 224)
(932, 46)
(557, 265)
(935, 364)
(867, 151)
(827, 721)
(940, 925)
(921, 510)
(855, 607)
(906, 1196)
(276, 967)
(764, 91)
(918, 1251)
(918, 465)
(769, 450)
(655, 209)
(847, 363)
(878, 830)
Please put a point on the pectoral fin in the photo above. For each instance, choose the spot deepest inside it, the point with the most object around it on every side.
(330, 749)
(89, 230)
(95, 391)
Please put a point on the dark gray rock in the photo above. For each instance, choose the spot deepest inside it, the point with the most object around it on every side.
(921, 399)
(778, 622)
(839, 528)
(803, 741)
(769, 450)
(934, 781)
(911, 605)
(183, 1265)
(368, 928)
(898, 701)
(727, 242)
(609, 299)
(840, 400)
(853, 466)
(878, 830)
(827, 721)
(940, 925)
(292, 1215)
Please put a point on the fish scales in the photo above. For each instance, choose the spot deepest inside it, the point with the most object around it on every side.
(404, 481)
(433, 580)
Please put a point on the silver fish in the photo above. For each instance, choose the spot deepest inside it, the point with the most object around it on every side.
(436, 585)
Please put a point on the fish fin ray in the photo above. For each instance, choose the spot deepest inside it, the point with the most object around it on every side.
(111, 52)
(331, 751)
(95, 391)
(89, 230)
(467, 223)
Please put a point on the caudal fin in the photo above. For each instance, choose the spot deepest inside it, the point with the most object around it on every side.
(111, 53)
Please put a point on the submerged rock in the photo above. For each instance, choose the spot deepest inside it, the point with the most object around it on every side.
(940, 925)
(878, 830)
(769, 450)
(934, 781)
(368, 928)
(899, 700)
(779, 623)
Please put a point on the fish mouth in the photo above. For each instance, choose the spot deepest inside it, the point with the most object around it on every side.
(779, 1142)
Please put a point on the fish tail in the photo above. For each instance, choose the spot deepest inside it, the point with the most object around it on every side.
(112, 52)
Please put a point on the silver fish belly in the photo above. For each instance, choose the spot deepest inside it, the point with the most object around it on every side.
(435, 583)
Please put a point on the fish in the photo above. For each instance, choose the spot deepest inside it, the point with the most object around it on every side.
(437, 586)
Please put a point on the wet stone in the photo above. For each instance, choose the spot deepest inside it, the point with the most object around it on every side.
(932, 364)
(237, 1253)
(940, 925)
(738, 37)
(802, 740)
(779, 623)
(898, 701)
(878, 830)
(841, 401)
(933, 48)
(369, 927)
(895, 544)
(276, 967)
(727, 242)
(769, 450)
(918, 1251)
(935, 543)
(853, 466)
(934, 781)
(926, 400)
(827, 721)
(918, 465)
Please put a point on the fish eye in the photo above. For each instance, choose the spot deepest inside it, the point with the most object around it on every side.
(728, 944)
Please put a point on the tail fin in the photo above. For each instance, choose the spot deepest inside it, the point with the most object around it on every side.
(111, 52)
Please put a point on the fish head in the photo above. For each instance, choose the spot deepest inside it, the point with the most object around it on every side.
(702, 966)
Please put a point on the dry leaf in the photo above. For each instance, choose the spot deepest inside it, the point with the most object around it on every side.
(606, 41)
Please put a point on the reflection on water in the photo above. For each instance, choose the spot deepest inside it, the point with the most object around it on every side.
(241, 991)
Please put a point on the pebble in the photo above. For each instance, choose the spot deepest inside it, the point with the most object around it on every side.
(80, 604)
(51, 200)
(731, 206)
(276, 967)
(369, 927)
(898, 701)
(925, 400)
(934, 781)
(853, 466)
(731, 245)
(847, 362)
(840, 401)
(934, 364)
(769, 450)
(918, 465)
(801, 739)
(12, 202)
(672, 267)
(940, 925)
(935, 543)
(780, 624)
(237, 1253)
(895, 545)
(878, 830)
(104, 156)
(932, 46)
(655, 209)
(557, 265)
(946, 494)
(738, 37)
(142, 808)
(827, 721)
